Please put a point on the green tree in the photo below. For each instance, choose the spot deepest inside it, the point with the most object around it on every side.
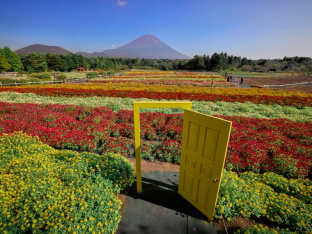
(163, 66)
(215, 62)
(63, 63)
(137, 61)
(223, 61)
(246, 68)
(34, 62)
(109, 64)
(13, 59)
(4, 64)
(94, 63)
(82, 61)
(69, 62)
(182, 65)
(197, 63)
(207, 62)
(244, 61)
(55, 62)
(74, 63)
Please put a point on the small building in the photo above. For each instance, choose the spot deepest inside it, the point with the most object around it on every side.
(80, 69)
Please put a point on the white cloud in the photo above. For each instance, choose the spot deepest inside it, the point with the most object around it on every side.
(122, 2)
(113, 46)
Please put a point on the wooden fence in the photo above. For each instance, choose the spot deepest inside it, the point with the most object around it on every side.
(43, 82)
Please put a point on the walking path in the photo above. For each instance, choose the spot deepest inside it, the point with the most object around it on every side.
(160, 209)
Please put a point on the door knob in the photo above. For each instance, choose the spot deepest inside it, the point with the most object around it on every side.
(215, 180)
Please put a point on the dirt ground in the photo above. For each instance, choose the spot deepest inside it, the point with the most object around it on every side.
(305, 89)
(156, 165)
(281, 80)
(231, 226)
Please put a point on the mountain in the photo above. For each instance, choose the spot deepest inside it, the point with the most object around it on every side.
(146, 46)
(44, 49)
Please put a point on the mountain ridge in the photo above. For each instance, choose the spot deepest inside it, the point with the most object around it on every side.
(44, 49)
(146, 46)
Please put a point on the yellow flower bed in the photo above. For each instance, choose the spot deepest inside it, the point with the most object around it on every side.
(268, 196)
(174, 88)
(45, 190)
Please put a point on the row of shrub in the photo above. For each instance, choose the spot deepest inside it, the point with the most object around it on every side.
(35, 77)
(261, 229)
(278, 145)
(24, 81)
(271, 197)
(48, 76)
(47, 190)
(44, 190)
(98, 72)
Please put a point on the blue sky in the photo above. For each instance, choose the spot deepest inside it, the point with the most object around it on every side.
(250, 28)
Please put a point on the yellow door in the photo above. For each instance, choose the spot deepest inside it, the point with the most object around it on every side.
(204, 145)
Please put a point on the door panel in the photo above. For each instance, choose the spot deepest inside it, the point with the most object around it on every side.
(204, 145)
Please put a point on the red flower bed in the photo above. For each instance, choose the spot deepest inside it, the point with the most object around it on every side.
(278, 145)
(193, 82)
(257, 99)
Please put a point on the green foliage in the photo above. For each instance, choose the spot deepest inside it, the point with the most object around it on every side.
(246, 68)
(263, 196)
(287, 166)
(113, 167)
(13, 59)
(298, 188)
(56, 62)
(92, 74)
(40, 75)
(209, 108)
(111, 73)
(34, 62)
(23, 81)
(10, 81)
(61, 77)
(147, 151)
(164, 66)
(4, 63)
(48, 191)
(197, 63)
(169, 151)
(216, 62)
(260, 229)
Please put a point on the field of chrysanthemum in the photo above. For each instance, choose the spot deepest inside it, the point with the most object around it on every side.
(268, 164)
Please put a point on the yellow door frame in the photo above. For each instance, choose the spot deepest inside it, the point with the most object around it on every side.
(136, 111)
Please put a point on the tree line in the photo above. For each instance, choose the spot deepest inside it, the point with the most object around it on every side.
(37, 62)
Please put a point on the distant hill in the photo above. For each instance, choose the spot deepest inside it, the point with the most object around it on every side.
(44, 49)
(146, 46)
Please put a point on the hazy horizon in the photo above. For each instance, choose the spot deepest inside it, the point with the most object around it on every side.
(263, 29)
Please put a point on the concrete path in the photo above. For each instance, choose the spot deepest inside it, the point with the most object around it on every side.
(160, 209)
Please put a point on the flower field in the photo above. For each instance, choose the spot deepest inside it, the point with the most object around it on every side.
(218, 82)
(210, 108)
(268, 164)
(44, 190)
(163, 92)
(255, 144)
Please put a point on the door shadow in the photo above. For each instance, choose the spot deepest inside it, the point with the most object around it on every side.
(166, 195)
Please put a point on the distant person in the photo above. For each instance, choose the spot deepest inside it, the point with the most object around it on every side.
(242, 80)
(231, 77)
